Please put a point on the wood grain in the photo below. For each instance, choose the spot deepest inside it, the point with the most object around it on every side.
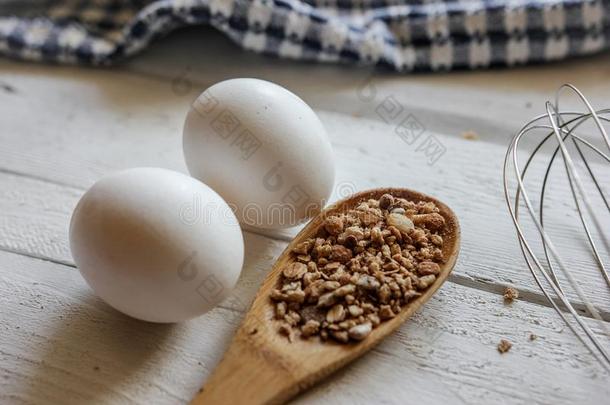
(64, 127)
(61, 344)
(143, 128)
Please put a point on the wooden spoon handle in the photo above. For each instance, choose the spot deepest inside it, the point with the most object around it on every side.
(248, 374)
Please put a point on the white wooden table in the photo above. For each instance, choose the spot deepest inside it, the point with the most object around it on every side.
(62, 128)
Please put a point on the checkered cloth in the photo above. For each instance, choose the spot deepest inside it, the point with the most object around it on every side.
(402, 35)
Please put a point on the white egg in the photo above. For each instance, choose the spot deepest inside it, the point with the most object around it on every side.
(262, 149)
(156, 244)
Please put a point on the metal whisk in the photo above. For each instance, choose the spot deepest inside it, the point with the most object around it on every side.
(579, 141)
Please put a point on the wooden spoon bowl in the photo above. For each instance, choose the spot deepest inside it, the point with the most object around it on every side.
(261, 366)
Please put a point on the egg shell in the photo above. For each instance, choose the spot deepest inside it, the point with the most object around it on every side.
(157, 245)
(263, 149)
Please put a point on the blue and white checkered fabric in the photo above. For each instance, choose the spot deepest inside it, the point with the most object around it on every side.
(403, 35)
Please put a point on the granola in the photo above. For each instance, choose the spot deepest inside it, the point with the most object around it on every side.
(470, 135)
(361, 269)
(504, 346)
(510, 294)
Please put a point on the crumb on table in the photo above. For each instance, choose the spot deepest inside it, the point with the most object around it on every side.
(510, 294)
(470, 135)
(504, 346)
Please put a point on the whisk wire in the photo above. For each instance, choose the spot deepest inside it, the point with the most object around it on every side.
(573, 177)
(560, 127)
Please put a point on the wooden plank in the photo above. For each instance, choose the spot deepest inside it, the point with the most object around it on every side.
(150, 104)
(49, 135)
(62, 344)
(494, 102)
(138, 120)
(66, 127)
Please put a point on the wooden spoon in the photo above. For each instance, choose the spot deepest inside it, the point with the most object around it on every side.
(261, 366)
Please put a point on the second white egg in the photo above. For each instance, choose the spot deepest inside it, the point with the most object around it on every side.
(156, 244)
(263, 149)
